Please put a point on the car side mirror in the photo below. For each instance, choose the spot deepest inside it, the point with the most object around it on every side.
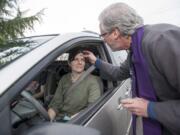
(61, 129)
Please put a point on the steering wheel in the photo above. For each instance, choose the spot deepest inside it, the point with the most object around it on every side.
(36, 104)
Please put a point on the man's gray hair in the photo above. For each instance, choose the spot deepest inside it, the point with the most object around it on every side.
(121, 16)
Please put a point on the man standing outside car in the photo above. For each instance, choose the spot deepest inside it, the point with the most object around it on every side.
(153, 64)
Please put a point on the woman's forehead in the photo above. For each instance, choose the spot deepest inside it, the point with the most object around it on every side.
(79, 55)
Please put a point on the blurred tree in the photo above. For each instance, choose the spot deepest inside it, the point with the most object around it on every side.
(13, 23)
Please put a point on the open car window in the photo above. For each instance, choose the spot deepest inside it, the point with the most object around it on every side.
(49, 79)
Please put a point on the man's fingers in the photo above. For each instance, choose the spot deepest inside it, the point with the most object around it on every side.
(85, 52)
(131, 100)
(132, 109)
(129, 106)
(127, 101)
(137, 106)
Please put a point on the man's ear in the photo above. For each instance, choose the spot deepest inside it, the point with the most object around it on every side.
(116, 33)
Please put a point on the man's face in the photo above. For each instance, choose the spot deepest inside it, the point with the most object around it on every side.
(115, 40)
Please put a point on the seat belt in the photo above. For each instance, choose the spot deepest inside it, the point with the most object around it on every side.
(82, 77)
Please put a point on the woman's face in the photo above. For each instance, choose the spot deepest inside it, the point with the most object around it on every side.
(77, 65)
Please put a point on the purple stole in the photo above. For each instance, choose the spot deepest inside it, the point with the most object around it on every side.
(141, 83)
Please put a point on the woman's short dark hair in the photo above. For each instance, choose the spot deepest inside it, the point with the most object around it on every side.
(73, 53)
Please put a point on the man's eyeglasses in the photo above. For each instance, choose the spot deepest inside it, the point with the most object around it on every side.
(104, 34)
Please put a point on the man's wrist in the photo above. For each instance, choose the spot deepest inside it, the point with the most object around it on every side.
(150, 110)
(97, 63)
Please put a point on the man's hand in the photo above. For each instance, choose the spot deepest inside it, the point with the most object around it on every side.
(137, 106)
(90, 56)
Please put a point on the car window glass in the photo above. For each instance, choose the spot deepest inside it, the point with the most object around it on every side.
(120, 56)
(63, 57)
(11, 50)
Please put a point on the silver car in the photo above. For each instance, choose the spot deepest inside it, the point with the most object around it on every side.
(25, 59)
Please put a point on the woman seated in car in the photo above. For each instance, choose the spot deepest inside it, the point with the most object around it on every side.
(66, 104)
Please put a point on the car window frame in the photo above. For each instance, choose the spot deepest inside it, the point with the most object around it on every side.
(22, 82)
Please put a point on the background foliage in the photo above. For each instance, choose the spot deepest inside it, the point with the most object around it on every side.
(13, 22)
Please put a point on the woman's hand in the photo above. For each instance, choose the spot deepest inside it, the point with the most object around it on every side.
(137, 106)
(52, 114)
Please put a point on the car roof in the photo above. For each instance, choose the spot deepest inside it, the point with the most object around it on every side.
(12, 72)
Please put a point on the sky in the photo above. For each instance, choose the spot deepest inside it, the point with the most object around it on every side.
(64, 16)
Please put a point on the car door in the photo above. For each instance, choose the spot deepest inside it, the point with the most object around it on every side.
(110, 119)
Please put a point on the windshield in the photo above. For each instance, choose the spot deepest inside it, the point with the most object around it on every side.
(12, 50)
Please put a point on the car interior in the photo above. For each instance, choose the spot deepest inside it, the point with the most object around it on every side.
(28, 111)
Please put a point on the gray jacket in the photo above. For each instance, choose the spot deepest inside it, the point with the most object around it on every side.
(161, 48)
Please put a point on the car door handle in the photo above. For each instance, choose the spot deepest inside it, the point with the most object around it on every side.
(127, 94)
(119, 107)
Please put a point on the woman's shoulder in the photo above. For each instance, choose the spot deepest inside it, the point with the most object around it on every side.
(66, 77)
(93, 77)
